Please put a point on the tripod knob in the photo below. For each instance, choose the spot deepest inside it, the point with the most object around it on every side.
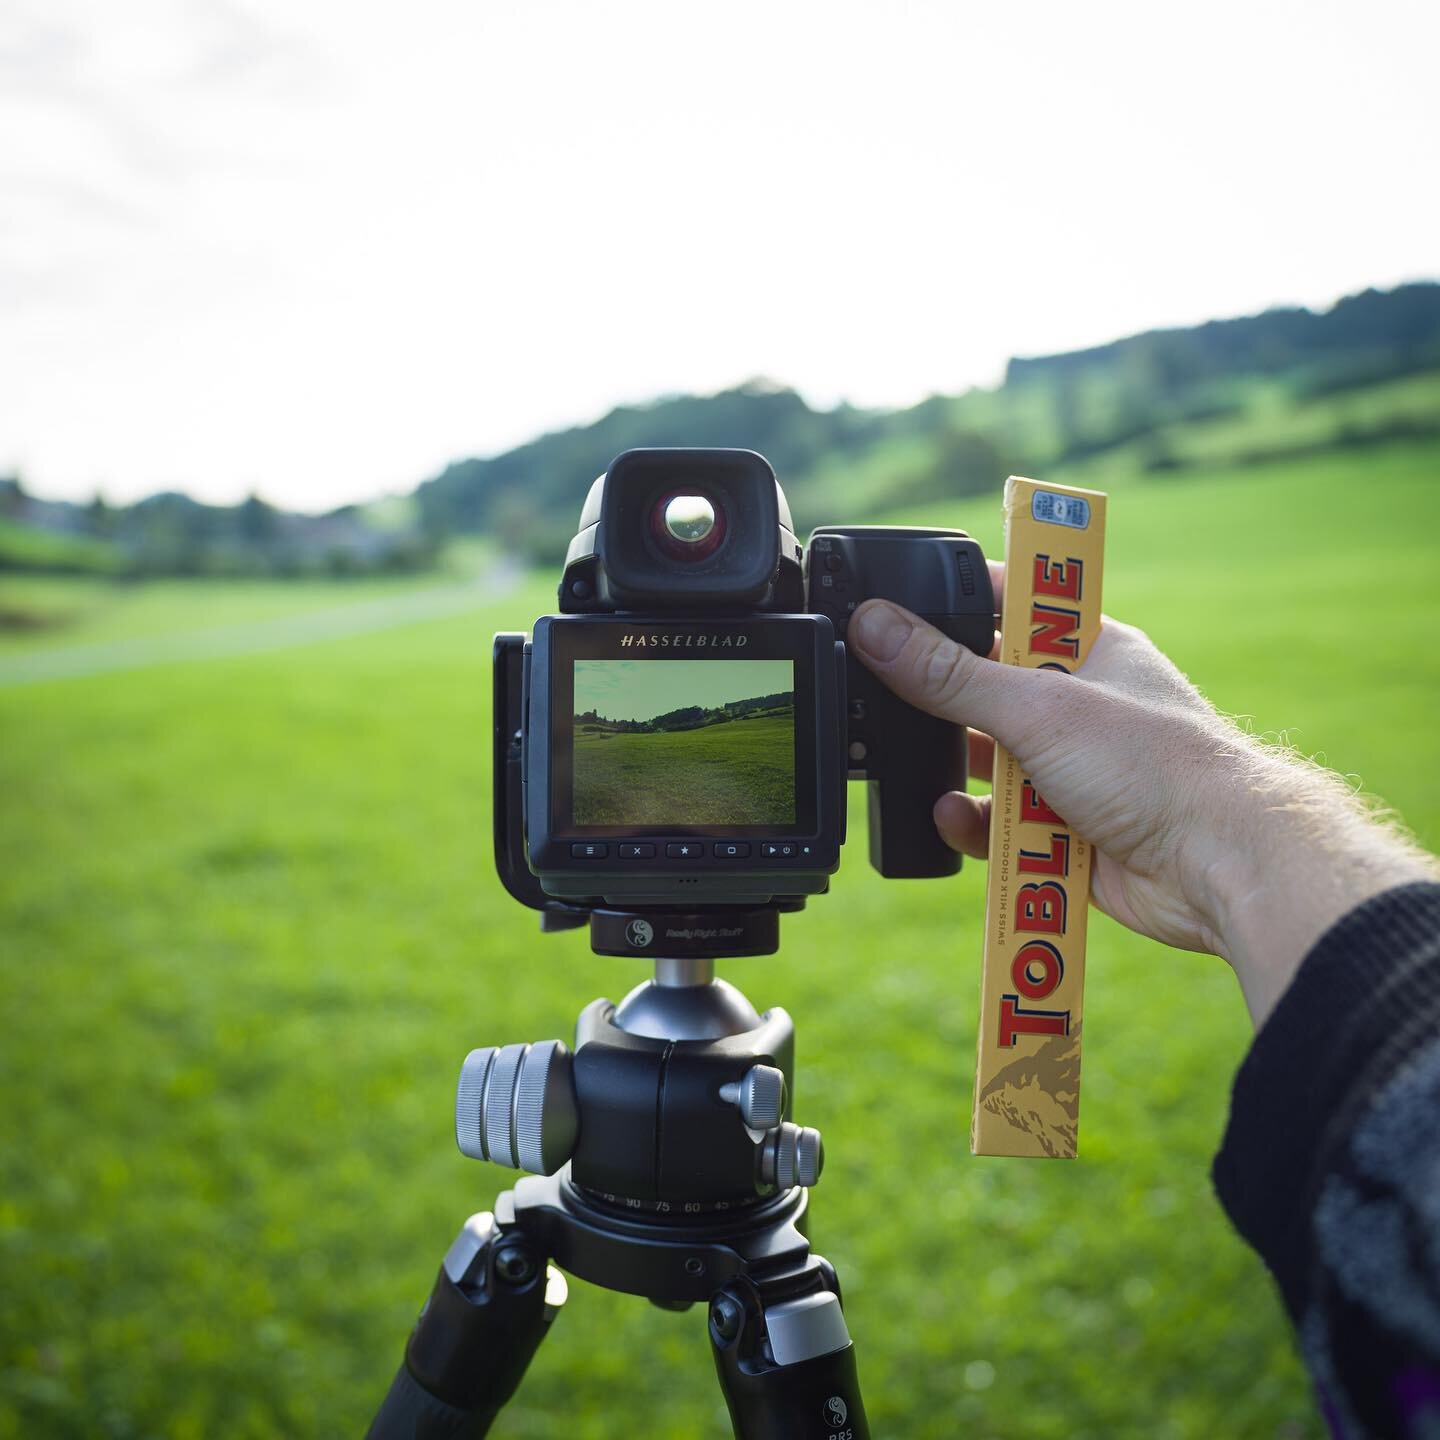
(759, 1095)
(516, 1106)
(792, 1155)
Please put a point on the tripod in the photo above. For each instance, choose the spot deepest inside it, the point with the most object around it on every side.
(666, 1167)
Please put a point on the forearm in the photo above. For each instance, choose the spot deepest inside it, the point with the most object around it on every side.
(1293, 851)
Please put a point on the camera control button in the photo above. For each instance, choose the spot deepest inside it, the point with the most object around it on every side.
(731, 850)
(777, 849)
(589, 851)
(834, 561)
(685, 850)
(637, 850)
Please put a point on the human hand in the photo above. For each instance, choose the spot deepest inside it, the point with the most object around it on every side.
(1204, 838)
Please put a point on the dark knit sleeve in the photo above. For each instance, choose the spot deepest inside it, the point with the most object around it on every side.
(1330, 1165)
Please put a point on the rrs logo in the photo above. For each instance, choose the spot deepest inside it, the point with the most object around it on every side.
(836, 1411)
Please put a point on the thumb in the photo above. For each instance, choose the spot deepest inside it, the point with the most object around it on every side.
(936, 675)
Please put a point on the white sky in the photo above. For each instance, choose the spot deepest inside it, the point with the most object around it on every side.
(321, 248)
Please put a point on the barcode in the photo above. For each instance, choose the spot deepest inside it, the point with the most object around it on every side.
(1052, 509)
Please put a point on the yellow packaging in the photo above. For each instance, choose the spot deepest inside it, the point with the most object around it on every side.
(1037, 892)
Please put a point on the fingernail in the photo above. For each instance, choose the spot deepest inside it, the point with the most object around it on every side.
(881, 630)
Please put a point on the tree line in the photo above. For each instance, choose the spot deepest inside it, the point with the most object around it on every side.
(1050, 410)
(842, 464)
(689, 717)
(171, 534)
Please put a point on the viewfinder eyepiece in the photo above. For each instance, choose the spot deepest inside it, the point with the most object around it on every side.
(688, 529)
(687, 525)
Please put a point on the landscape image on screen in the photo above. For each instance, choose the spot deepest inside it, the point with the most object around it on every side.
(684, 742)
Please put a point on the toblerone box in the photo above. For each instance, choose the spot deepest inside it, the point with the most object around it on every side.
(1027, 1077)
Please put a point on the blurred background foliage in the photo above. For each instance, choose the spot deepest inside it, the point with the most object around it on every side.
(1283, 383)
(249, 924)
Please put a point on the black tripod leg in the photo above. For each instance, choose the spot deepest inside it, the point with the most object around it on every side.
(785, 1358)
(492, 1303)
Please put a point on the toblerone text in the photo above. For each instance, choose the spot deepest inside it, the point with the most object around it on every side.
(1027, 1077)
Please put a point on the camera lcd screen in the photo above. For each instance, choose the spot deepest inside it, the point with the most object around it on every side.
(659, 743)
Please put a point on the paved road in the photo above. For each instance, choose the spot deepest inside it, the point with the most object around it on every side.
(254, 637)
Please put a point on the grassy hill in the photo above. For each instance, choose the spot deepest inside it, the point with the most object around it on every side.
(1245, 386)
(249, 927)
(741, 772)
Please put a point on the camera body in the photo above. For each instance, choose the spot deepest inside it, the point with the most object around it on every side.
(680, 734)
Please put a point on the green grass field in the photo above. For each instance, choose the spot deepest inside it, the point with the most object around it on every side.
(249, 927)
(741, 772)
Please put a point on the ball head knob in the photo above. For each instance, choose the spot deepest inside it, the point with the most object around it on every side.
(516, 1105)
(792, 1155)
(759, 1095)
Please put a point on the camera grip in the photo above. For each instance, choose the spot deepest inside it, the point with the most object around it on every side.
(923, 758)
(909, 758)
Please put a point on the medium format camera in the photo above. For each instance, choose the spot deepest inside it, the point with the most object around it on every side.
(677, 740)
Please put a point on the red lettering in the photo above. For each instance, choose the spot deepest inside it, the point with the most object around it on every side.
(1015, 1020)
(1041, 907)
(1032, 807)
(1057, 862)
(1057, 633)
(1051, 964)
(1058, 577)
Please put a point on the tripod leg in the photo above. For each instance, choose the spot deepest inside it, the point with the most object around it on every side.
(492, 1304)
(785, 1358)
